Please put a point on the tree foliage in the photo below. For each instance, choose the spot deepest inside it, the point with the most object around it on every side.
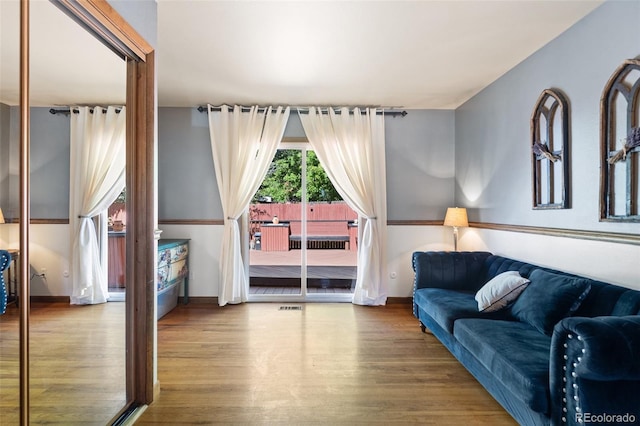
(283, 181)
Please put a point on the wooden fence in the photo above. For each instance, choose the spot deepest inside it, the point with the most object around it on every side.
(329, 226)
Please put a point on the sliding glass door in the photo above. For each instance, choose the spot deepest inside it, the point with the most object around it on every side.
(303, 236)
(275, 219)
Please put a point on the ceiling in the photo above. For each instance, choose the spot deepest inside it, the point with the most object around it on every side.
(409, 54)
(61, 71)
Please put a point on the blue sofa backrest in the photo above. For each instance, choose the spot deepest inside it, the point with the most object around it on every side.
(453, 270)
(5, 258)
(603, 298)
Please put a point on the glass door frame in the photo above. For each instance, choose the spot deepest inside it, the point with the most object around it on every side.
(304, 295)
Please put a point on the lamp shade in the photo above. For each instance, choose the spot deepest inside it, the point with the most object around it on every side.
(1, 216)
(456, 216)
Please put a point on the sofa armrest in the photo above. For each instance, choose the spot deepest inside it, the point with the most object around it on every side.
(450, 270)
(5, 259)
(595, 368)
(611, 346)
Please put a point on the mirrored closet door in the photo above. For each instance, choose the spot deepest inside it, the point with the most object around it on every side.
(62, 363)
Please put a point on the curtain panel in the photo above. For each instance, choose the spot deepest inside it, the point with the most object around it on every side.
(350, 145)
(243, 143)
(98, 157)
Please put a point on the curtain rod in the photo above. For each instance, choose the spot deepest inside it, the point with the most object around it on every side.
(244, 109)
(67, 111)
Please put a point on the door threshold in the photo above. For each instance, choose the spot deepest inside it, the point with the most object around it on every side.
(118, 296)
(311, 298)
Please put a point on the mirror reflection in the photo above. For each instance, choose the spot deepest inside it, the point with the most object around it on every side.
(77, 351)
(9, 116)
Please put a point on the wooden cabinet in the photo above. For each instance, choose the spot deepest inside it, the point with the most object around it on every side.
(173, 270)
(275, 237)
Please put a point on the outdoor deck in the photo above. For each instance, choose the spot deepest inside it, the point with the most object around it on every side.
(314, 258)
(278, 272)
(276, 239)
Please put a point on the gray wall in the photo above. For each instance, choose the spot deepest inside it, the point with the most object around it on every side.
(141, 15)
(49, 163)
(420, 164)
(187, 186)
(5, 131)
(9, 160)
(493, 163)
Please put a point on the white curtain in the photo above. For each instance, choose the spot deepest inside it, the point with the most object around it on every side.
(243, 143)
(350, 147)
(97, 178)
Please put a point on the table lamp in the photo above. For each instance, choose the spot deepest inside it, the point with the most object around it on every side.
(456, 217)
(1, 216)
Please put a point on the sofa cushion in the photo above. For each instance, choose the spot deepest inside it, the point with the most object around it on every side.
(500, 291)
(452, 270)
(549, 298)
(628, 304)
(516, 353)
(446, 306)
(495, 265)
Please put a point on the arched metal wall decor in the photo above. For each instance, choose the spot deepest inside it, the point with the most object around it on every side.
(620, 145)
(550, 151)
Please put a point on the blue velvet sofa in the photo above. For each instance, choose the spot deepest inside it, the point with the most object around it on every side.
(561, 366)
(5, 259)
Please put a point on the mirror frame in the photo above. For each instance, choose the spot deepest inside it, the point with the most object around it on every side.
(99, 18)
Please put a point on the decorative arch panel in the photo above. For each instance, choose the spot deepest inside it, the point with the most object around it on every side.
(550, 151)
(620, 145)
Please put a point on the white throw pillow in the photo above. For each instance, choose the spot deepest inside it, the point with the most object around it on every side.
(500, 291)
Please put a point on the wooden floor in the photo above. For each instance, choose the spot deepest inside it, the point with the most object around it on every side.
(327, 364)
(77, 358)
(251, 364)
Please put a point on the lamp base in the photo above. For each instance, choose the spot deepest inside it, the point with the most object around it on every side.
(455, 238)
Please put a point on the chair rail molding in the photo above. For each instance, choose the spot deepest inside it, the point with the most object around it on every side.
(612, 237)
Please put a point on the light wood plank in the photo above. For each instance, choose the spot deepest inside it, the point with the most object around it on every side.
(77, 364)
(327, 364)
